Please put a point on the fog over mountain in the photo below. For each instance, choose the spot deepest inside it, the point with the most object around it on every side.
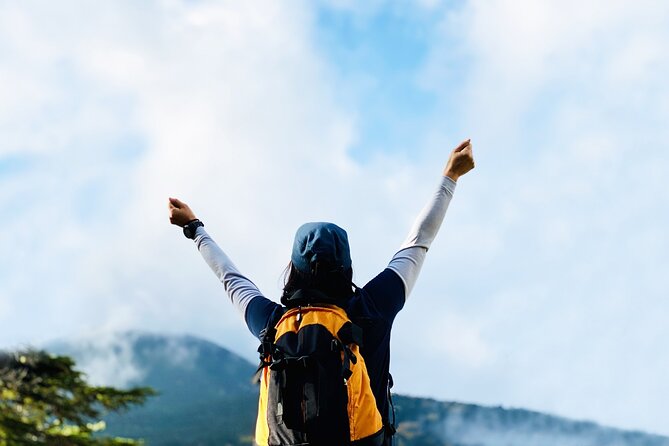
(206, 398)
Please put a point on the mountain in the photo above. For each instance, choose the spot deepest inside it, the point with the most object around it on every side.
(205, 392)
(429, 422)
(206, 398)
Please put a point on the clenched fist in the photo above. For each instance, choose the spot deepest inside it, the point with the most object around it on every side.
(180, 213)
(460, 162)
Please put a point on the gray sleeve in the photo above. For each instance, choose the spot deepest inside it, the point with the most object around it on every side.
(408, 261)
(239, 288)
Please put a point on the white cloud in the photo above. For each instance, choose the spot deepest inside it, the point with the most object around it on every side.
(564, 102)
(557, 236)
(108, 359)
(5, 306)
(235, 114)
(459, 339)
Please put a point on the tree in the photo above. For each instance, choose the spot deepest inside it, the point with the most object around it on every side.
(45, 401)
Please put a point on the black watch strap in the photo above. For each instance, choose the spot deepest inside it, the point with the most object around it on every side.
(191, 227)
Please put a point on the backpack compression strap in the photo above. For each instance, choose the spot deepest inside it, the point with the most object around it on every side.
(390, 426)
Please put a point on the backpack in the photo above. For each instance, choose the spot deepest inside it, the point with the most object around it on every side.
(314, 385)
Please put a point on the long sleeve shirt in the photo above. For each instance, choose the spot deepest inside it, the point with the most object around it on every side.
(373, 307)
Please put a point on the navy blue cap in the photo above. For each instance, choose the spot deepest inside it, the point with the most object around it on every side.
(323, 243)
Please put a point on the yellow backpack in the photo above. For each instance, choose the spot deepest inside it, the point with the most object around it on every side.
(314, 385)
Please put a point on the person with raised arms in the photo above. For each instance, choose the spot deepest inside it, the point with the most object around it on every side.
(325, 350)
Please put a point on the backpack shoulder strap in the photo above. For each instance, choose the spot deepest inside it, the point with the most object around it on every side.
(267, 338)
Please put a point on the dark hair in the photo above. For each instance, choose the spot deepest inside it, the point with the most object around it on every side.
(337, 284)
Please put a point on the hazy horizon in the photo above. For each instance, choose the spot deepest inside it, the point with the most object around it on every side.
(546, 288)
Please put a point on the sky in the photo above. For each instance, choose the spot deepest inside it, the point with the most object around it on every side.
(547, 286)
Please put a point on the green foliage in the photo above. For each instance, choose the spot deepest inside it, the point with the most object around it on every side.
(45, 401)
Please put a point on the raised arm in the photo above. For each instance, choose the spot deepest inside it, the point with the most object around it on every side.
(408, 261)
(238, 287)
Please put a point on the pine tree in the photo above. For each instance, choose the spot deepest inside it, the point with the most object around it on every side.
(45, 401)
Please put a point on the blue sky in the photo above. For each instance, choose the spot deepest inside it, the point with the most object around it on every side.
(377, 59)
(547, 285)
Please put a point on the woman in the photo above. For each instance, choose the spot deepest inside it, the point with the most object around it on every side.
(321, 260)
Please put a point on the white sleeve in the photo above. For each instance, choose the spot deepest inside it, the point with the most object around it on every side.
(408, 261)
(239, 288)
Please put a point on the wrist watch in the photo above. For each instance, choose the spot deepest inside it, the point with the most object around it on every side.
(191, 227)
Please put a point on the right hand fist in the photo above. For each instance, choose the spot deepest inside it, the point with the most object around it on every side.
(180, 213)
(460, 162)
